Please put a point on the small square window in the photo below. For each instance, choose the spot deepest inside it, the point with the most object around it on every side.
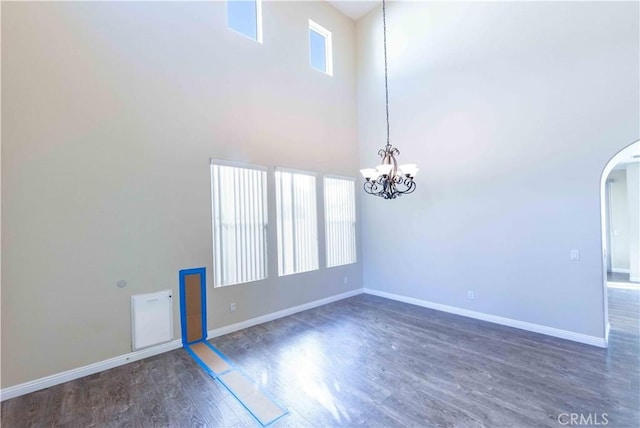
(320, 49)
(245, 17)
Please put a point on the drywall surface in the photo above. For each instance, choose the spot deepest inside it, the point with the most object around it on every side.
(111, 112)
(633, 198)
(511, 110)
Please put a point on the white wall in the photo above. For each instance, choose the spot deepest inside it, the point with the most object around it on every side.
(111, 112)
(511, 110)
(633, 200)
(619, 215)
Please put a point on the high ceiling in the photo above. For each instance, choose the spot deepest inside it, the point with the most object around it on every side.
(354, 9)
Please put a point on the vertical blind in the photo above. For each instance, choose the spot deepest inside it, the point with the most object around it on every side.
(239, 211)
(297, 222)
(340, 221)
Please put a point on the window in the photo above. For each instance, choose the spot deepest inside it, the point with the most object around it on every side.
(245, 16)
(340, 220)
(297, 221)
(239, 220)
(320, 54)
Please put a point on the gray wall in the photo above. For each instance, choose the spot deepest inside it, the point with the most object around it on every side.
(511, 111)
(111, 112)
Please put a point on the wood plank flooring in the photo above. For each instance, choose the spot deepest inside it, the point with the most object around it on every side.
(368, 362)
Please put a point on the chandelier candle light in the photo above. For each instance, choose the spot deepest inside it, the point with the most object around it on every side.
(388, 180)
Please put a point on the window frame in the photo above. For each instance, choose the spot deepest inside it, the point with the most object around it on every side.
(353, 181)
(279, 232)
(328, 46)
(258, 37)
(264, 214)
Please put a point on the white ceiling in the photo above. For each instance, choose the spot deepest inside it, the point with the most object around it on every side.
(354, 9)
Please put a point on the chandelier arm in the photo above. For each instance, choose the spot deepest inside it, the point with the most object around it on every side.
(409, 186)
(372, 188)
(386, 84)
(390, 187)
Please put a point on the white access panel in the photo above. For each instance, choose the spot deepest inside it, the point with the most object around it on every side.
(151, 319)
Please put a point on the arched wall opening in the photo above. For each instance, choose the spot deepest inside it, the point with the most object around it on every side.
(629, 158)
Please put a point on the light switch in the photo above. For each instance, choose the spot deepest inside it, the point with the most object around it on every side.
(574, 255)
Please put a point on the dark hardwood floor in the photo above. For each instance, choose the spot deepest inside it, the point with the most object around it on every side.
(370, 362)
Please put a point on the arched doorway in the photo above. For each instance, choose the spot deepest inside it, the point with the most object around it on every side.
(620, 238)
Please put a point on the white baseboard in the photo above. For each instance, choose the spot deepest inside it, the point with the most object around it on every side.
(58, 378)
(280, 314)
(536, 328)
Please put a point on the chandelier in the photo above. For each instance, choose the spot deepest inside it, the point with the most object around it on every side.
(388, 180)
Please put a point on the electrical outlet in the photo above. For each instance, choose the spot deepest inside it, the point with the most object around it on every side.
(471, 295)
(232, 307)
(574, 255)
(346, 280)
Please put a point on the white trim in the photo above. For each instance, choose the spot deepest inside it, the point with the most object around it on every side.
(297, 225)
(58, 378)
(250, 210)
(620, 270)
(221, 331)
(523, 325)
(294, 171)
(341, 247)
(258, 37)
(237, 164)
(328, 46)
(66, 376)
(606, 334)
(340, 177)
(623, 285)
(259, 21)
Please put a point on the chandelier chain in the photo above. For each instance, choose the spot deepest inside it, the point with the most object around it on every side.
(386, 84)
(388, 180)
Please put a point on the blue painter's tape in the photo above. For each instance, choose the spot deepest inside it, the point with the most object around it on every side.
(183, 301)
(285, 412)
(200, 362)
(221, 355)
(246, 375)
(217, 376)
(183, 320)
